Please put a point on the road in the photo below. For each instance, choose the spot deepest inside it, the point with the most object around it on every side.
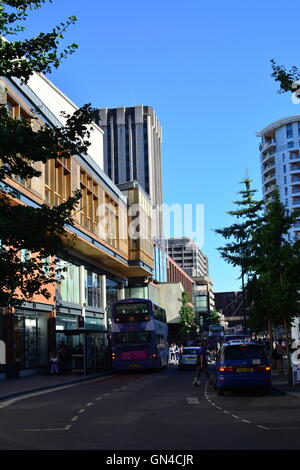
(149, 411)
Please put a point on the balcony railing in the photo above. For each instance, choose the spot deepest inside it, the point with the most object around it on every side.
(268, 144)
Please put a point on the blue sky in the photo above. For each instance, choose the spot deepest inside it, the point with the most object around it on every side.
(205, 68)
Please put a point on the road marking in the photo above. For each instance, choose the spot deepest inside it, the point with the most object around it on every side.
(227, 412)
(245, 421)
(89, 404)
(192, 400)
(75, 418)
(262, 427)
(68, 427)
(234, 416)
(99, 398)
(81, 411)
(7, 403)
(271, 429)
(50, 429)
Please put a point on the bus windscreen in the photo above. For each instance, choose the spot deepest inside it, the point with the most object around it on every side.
(132, 312)
(130, 337)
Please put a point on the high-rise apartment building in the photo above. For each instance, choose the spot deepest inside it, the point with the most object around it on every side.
(280, 163)
(280, 167)
(132, 151)
(186, 253)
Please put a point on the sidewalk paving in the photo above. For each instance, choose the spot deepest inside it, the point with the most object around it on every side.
(280, 385)
(10, 388)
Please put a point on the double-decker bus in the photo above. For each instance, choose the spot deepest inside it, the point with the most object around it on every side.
(139, 335)
(216, 331)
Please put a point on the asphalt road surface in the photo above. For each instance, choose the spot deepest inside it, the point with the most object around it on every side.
(147, 411)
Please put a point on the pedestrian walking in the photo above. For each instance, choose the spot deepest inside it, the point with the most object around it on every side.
(201, 365)
(177, 350)
(53, 363)
(172, 353)
(278, 354)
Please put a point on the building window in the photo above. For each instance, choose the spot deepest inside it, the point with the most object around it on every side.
(92, 289)
(289, 131)
(290, 145)
(88, 202)
(57, 180)
(111, 221)
(69, 284)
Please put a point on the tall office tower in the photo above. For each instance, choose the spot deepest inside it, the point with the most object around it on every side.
(280, 164)
(132, 151)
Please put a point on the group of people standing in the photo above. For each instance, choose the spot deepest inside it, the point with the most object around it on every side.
(61, 360)
(174, 352)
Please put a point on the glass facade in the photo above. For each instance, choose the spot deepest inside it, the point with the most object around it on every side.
(160, 264)
(111, 295)
(31, 339)
(69, 285)
(93, 289)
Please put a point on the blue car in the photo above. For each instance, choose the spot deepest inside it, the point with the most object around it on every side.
(242, 365)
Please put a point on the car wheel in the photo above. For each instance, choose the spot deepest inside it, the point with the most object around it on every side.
(220, 391)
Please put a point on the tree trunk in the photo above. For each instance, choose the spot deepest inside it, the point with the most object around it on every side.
(290, 377)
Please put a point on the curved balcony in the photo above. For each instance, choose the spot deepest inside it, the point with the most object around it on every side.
(268, 167)
(268, 145)
(270, 177)
(269, 189)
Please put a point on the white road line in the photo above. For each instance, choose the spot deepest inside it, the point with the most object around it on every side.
(192, 400)
(262, 427)
(99, 398)
(50, 429)
(68, 427)
(234, 416)
(89, 404)
(6, 403)
(245, 421)
(81, 411)
(227, 412)
(75, 418)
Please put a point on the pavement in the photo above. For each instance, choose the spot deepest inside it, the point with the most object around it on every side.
(33, 383)
(280, 385)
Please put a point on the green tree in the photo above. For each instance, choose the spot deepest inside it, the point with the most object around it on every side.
(238, 251)
(40, 231)
(187, 316)
(214, 318)
(277, 262)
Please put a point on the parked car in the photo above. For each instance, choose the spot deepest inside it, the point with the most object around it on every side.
(242, 365)
(188, 357)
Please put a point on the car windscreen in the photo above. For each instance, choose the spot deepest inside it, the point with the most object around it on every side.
(236, 353)
(191, 351)
(130, 337)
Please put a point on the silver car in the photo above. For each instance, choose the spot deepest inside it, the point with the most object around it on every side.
(188, 357)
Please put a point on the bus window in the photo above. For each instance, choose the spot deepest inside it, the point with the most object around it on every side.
(132, 312)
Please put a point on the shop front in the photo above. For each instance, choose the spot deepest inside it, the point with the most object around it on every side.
(30, 333)
(86, 347)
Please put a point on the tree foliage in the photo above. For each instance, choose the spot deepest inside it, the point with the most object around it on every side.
(39, 231)
(187, 315)
(238, 249)
(39, 54)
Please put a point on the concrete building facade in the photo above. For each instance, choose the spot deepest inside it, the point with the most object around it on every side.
(132, 151)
